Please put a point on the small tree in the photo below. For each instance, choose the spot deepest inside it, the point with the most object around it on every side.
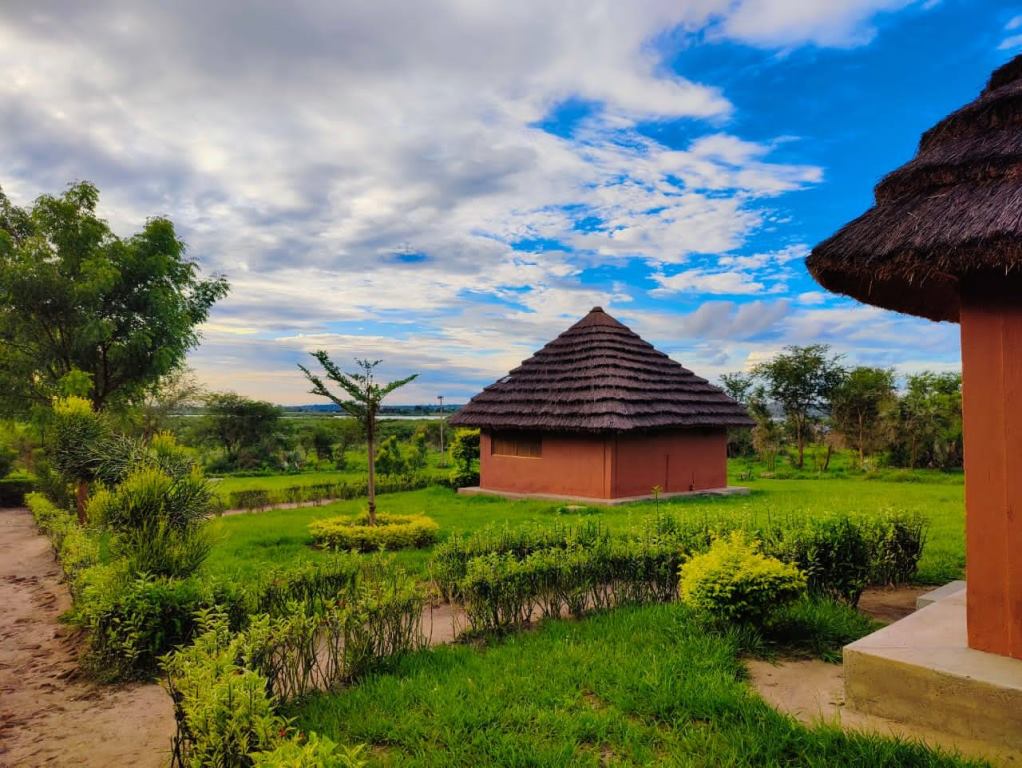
(245, 429)
(390, 460)
(767, 439)
(78, 432)
(365, 397)
(465, 452)
(419, 455)
(739, 387)
(801, 380)
(858, 404)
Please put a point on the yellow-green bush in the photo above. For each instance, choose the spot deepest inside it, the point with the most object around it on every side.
(390, 532)
(312, 752)
(735, 582)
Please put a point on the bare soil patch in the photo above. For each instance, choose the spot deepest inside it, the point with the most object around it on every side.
(888, 604)
(49, 714)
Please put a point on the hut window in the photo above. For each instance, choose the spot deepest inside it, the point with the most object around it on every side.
(530, 446)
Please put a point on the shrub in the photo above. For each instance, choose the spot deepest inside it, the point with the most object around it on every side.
(896, 542)
(13, 490)
(222, 707)
(313, 585)
(51, 519)
(390, 532)
(311, 752)
(833, 553)
(465, 453)
(157, 520)
(253, 498)
(735, 582)
(450, 558)
(226, 687)
(500, 590)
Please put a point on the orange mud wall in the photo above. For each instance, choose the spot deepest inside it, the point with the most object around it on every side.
(992, 412)
(612, 466)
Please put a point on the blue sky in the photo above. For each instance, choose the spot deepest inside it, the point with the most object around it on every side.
(448, 185)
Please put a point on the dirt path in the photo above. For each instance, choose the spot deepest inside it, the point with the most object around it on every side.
(49, 716)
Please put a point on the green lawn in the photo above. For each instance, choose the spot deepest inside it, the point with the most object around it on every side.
(635, 686)
(355, 472)
(249, 544)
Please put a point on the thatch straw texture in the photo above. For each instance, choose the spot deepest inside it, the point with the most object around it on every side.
(600, 376)
(954, 212)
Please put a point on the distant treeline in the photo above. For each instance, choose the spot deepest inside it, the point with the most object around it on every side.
(807, 404)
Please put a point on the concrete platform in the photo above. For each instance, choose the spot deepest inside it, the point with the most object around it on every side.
(940, 593)
(731, 490)
(920, 671)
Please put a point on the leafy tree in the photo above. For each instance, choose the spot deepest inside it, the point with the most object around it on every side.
(801, 380)
(739, 387)
(767, 436)
(365, 398)
(75, 297)
(929, 430)
(858, 406)
(149, 413)
(249, 431)
(323, 440)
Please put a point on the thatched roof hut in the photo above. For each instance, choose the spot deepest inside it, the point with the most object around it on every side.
(598, 376)
(953, 213)
(944, 241)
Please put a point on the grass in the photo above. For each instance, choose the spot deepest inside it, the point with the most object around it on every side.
(636, 686)
(354, 472)
(249, 544)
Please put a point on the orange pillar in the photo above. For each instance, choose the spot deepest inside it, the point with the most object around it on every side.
(992, 402)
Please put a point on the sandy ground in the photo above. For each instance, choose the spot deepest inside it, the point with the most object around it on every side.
(814, 691)
(49, 716)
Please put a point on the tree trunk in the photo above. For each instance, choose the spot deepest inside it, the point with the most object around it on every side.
(862, 456)
(801, 439)
(81, 496)
(371, 442)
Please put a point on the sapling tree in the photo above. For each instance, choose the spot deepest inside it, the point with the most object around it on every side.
(365, 396)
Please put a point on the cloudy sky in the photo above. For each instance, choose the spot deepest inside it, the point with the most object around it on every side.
(448, 184)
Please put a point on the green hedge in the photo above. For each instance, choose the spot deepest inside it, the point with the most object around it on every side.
(263, 498)
(13, 491)
(390, 532)
(505, 577)
(500, 590)
(227, 686)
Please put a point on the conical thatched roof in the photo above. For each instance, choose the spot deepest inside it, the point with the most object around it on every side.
(600, 376)
(953, 212)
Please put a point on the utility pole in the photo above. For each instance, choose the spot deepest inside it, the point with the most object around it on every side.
(443, 460)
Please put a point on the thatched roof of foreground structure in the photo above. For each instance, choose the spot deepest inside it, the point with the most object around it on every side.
(600, 376)
(954, 212)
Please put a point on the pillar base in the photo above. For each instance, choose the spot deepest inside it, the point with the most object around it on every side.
(920, 671)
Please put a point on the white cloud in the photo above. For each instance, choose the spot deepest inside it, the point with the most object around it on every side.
(779, 23)
(378, 163)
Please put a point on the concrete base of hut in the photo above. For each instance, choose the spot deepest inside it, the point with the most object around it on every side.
(920, 671)
(731, 490)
